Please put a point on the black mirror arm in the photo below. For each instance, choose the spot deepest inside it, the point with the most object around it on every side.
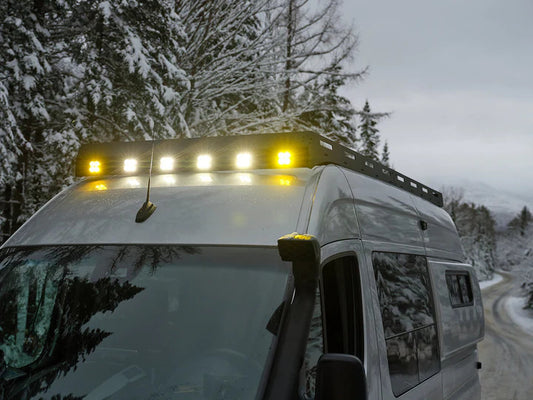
(304, 253)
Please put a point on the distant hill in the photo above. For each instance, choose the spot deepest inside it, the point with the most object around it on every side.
(504, 205)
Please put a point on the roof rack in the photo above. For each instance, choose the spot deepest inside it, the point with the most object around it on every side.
(309, 149)
(326, 151)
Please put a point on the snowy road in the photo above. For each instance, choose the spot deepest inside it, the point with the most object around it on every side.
(507, 351)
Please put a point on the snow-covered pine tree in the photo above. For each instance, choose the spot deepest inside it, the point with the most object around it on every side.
(31, 105)
(476, 228)
(515, 250)
(129, 84)
(75, 71)
(368, 132)
(521, 221)
(335, 117)
(385, 155)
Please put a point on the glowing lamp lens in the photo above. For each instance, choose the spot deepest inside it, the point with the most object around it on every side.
(204, 162)
(284, 158)
(94, 167)
(244, 160)
(130, 165)
(166, 164)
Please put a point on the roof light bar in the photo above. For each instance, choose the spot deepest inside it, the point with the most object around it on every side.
(264, 151)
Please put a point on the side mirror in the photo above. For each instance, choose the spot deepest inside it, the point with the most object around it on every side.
(340, 377)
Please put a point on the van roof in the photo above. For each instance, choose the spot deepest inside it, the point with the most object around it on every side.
(241, 207)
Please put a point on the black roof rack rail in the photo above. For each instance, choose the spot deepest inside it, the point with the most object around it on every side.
(326, 151)
(310, 149)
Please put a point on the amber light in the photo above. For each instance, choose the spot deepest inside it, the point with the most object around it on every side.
(284, 158)
(94, 167)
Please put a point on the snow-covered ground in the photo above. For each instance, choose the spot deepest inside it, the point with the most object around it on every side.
(495, 279)
(521, 317)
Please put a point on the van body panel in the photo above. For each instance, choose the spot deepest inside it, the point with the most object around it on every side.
(385, 213)
(440, 236)
(460, 327)
(308, 199)
(459, 374)
(332, 216)
(471, 390)
(216, 208)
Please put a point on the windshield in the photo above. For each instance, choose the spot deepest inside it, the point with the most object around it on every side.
(137, 322)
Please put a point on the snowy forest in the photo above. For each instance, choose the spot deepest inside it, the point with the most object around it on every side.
(487, 247)
(77, 71)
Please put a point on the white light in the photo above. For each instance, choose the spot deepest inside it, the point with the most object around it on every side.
(130, 165)
(244, 160)
(166, 164)
(204, 162)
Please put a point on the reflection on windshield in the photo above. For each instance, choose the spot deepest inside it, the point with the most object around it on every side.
(136, 322)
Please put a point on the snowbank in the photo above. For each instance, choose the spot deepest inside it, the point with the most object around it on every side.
(521, 317)
(496, 278)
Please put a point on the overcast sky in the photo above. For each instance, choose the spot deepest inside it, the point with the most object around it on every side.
(458, 78)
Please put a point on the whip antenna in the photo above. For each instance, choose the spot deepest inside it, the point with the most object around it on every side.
(148, 207)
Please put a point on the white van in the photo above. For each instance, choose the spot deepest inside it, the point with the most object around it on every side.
(160, 275)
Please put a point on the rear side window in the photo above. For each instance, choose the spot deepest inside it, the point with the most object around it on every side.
(460, 288)
(408, 317)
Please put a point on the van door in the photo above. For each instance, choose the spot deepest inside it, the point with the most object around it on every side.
(340, 317)
(461, 323)
(406, 323)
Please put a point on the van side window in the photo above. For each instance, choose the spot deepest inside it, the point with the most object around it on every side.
(338, 322)
(342, 307)
(408, 317)
(460, 288)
